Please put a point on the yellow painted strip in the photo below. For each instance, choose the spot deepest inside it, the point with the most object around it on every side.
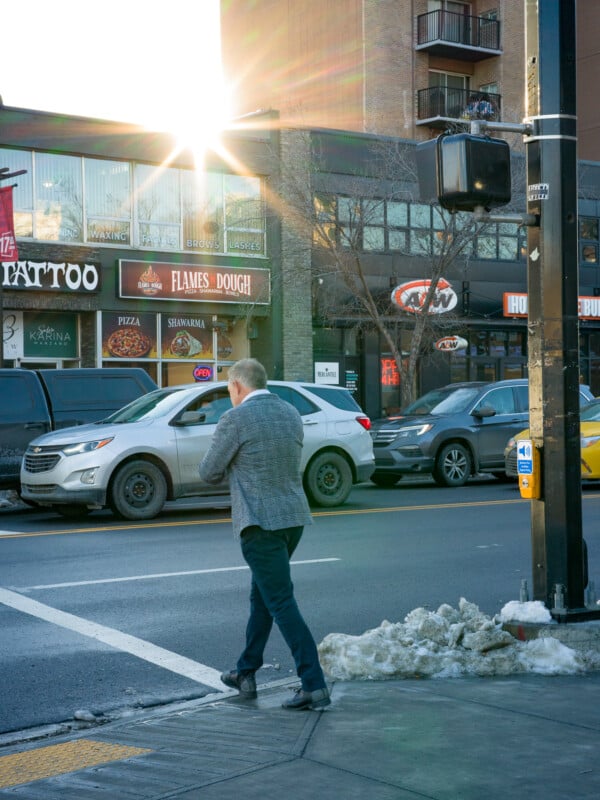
(426, 507)
(58, 759)
(223, 520)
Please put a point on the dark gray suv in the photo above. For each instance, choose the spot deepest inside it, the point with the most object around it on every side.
(451, 433)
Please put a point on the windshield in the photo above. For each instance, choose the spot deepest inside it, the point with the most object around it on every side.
(447, 400)
(153, 404)
(591, 412)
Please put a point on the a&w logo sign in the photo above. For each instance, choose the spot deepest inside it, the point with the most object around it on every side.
(411, 296)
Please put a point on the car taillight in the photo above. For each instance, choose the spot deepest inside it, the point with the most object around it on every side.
(365, 422)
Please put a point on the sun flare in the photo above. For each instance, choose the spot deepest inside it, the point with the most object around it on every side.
(196, 122)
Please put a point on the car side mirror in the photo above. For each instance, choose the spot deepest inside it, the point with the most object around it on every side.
(484, 411)
(189, 418)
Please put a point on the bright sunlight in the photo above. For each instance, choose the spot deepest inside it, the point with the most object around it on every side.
(157, 65)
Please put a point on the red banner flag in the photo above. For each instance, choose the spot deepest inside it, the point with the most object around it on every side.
(8, 243)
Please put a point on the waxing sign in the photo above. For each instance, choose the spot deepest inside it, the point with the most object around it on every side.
(448, 344)
(411, 296)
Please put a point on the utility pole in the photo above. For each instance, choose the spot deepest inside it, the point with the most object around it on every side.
(556, 519)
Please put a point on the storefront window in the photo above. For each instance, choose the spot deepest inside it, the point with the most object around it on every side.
(390, 386)
(172, 209)
(373, 238)
(588, 240)
(202, 205)
(397, 214)
(244, 215)
(158, 207)
(178, 347)
(17, 160)
(420, 243)
(107, 201)
(420, 215)
(58, 198)
(486, 247)
(325, 224)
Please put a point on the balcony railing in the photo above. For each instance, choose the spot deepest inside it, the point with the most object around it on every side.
(446, 33)
(436, 105)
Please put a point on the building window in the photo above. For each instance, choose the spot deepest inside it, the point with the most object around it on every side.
(23, 205)
(202, 208)
(107, 201)
(420, 229)
(157, 207)
(588, 240)
(449, 99)
(58, 184)
(501, 242)
(124, 203)
(244, 216)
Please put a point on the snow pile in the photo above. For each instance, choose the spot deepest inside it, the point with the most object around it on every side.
(533, 611)
(446, 643)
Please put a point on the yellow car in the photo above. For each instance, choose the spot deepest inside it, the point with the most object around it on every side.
(590, 444)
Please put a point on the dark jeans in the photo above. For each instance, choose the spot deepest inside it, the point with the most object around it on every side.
(268, 553)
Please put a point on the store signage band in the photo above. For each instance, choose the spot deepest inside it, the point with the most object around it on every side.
(516, 305)
(46, 276)
(193, 283)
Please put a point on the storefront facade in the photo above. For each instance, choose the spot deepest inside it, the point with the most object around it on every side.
(488, 283)
(129, 255)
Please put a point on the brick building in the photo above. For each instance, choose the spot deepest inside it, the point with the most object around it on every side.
(353, 72)
(392, 67)
(114, 233)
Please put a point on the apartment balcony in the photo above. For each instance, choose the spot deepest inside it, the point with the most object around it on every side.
(437, 106)
(459, 36)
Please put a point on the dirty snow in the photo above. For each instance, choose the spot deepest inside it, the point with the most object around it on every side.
(449, 643)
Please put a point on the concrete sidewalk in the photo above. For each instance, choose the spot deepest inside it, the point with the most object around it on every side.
(529, 736)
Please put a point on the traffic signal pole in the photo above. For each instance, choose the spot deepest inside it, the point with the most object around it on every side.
(559, 567)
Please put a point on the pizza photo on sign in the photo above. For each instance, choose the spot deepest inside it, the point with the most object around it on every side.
(128, 343)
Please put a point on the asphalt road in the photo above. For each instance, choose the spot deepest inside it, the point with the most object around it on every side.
(100, 616)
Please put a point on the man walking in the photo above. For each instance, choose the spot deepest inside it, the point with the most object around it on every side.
(257, 444)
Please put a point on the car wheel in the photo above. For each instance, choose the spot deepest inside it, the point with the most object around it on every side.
(452, 465)
(138, 490)
(385, 481)
(328, 479)
(71, 511)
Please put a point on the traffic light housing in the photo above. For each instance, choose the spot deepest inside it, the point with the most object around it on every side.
(463, 171)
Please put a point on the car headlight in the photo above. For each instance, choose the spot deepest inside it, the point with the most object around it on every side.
(414, 430)
(85, 447)
(512, 443)
(588, 441)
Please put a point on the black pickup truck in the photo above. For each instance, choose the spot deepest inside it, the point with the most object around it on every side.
(33, 402)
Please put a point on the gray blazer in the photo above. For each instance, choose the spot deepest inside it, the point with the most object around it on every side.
(257, 446)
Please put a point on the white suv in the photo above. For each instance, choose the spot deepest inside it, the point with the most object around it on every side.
(149, 451)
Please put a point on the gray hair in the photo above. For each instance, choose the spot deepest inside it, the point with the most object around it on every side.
(250, 373)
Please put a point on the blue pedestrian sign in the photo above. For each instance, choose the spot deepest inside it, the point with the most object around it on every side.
(525, 457)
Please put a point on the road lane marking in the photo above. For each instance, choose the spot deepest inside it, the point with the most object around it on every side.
(149, 525)
(200, 673)
(225, 520)
(60, 759)
(154, 576)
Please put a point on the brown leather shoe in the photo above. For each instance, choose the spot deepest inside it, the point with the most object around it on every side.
(308, 700)
(245, 684)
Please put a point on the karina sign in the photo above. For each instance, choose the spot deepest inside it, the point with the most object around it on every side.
(448, 344)
(411, 296)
